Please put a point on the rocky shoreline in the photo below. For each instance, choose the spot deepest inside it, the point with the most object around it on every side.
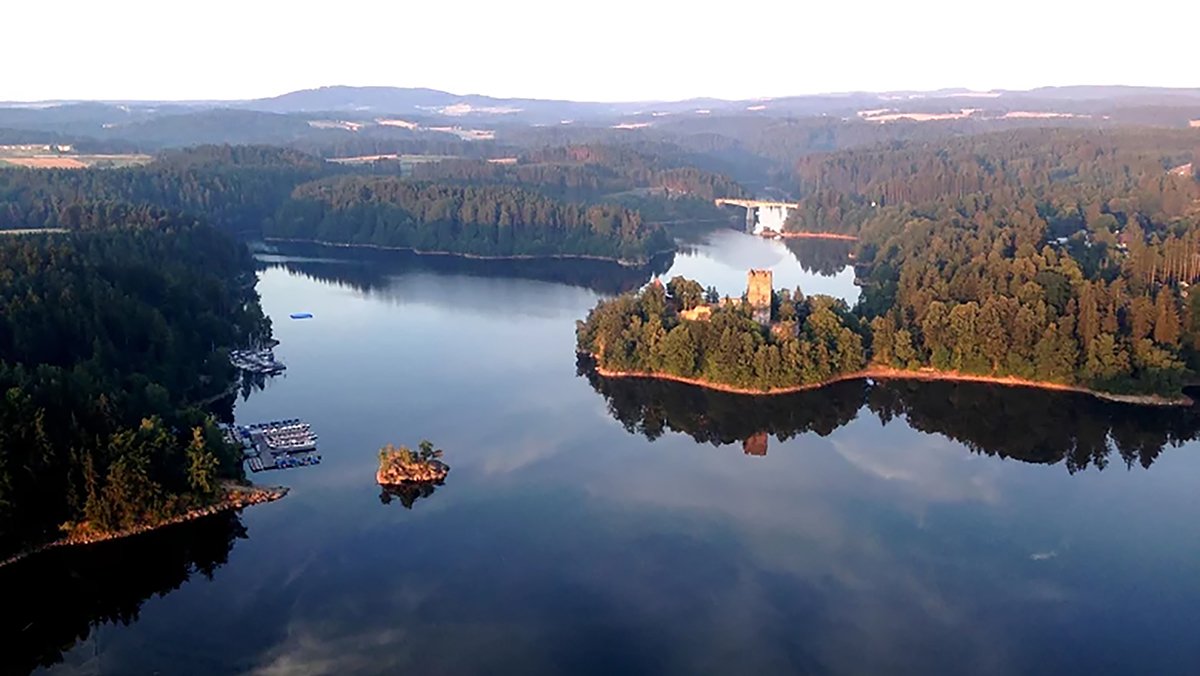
(236, 497)
(433, 471)
(623, 262)
(881, 373)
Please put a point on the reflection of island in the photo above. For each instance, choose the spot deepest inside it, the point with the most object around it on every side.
(69, 592)
(651, 407)
(1034, 426)
(407, 493)
(368, 269)
(825, 257)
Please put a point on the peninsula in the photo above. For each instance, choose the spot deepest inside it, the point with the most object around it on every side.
(107, 356)
(776, 342)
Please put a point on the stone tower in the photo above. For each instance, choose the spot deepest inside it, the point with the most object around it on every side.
(758, 289)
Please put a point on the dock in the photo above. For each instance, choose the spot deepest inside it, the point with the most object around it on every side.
(279, 444)
(257, 361)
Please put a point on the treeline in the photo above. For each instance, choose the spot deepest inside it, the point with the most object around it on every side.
(658, 186)
(481, 220)
(596, 204)
(814, 339)
(109, 341)
(236, 188)
(1052, 255)
(1069, 173)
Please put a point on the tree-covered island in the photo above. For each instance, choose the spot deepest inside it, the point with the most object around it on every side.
(776, 341)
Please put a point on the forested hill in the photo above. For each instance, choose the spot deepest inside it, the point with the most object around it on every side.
(485, 220)
(108, 340)
(583, 180)
(1119, 171)
(235, 188)
(1058, 256)
(599, 204)
(659, 183)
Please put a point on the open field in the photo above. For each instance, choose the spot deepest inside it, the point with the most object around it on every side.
(406, 160)
(53, 161)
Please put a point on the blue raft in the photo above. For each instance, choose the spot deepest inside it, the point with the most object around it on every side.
(301, 315)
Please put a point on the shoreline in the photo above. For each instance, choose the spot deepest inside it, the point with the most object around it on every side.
(514, 257)
(811, 235)
(881, 373)
(236, 497)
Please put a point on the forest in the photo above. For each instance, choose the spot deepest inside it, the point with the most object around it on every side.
(657, 181)
(813, 340)
(111, 340)
(1059, 256)
(485, 220)
(580, 201)
(235, 188)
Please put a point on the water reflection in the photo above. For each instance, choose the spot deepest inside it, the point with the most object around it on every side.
(370, 269)
(652, 407)
(722, 258)
(569, 545)
(407, 494)
(1036, 426)
(67, 594)
(825, 257)
(1032, 426)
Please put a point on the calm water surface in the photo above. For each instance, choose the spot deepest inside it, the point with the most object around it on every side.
(615, 527)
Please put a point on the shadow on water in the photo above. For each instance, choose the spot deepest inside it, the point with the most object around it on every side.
(68, 593)
(369, 269)
(1033, 426)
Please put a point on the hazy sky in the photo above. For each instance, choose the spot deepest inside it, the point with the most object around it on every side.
(598, 50)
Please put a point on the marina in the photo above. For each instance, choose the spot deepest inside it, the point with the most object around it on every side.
(257, 361)
(279, 444)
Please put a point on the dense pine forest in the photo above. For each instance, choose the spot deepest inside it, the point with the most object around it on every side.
(814, 340)
(1051, 255)
(111, 339)
(236, 188)
(481, 220)
(580, 201)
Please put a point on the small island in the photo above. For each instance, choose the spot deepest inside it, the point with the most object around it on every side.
(400, 466)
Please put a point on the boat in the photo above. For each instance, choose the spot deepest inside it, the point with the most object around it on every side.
(301, 315)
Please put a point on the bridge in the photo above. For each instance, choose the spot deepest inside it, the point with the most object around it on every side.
(761, 214)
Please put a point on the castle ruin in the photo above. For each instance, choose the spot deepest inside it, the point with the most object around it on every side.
(758, 294)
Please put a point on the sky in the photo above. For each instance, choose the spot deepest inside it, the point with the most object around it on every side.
(613, 50)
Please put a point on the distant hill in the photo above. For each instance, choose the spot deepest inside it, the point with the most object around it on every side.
(359, 99)
(407, 101)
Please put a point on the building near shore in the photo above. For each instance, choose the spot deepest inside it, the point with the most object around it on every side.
(758, 293)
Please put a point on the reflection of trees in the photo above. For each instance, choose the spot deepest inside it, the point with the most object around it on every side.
(825, 257)
(67, 593)
(407, 493)
(369, 269)
(650, 407)
(1035, 426)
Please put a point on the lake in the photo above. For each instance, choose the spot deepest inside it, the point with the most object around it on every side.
(604, 527)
